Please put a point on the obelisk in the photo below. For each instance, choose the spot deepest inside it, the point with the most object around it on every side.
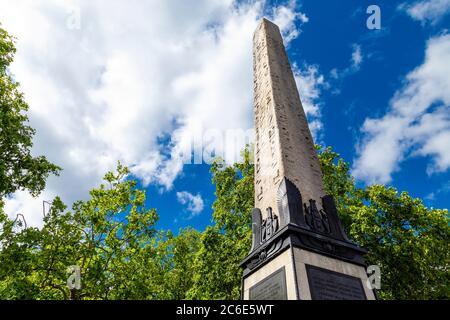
(299, 249)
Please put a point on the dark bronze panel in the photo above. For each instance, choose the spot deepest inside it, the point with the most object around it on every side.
(271, 288)
(329, 285)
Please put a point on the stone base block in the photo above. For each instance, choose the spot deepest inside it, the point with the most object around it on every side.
(299, 274)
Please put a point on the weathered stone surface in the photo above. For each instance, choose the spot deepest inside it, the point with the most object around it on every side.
(284, 147)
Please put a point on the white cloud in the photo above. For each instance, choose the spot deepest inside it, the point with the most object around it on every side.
(356, 60)
(285, 17)
(310, 83)
(417, 123)
(357, 57)
(443, 190)
(132, 73)
(427, 10)
(194, 204)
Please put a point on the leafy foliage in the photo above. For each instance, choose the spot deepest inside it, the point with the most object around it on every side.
(112, 237)
(97, 236)
(409, 241)
(224, 245)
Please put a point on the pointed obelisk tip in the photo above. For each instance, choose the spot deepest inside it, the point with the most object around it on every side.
(266, 24)
(266, 21)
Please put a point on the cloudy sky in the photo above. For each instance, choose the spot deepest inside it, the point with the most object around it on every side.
(138, 81)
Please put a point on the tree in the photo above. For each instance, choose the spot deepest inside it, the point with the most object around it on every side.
(113, 241)
(225, 244)
(178, 253)
(19, 170)
(121, 255)
(111, 238)
(409, 241)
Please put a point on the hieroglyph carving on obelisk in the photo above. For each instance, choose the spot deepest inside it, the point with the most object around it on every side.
(284, 147)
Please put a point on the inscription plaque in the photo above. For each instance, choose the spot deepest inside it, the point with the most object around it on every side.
(329, 285)
(271, 288)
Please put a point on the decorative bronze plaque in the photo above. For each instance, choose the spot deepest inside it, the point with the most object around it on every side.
(271, 288)
(329, 285)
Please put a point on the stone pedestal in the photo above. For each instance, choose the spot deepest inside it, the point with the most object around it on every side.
(299, 274)
(306, 255)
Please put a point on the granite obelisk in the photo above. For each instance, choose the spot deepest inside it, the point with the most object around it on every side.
(299, 248)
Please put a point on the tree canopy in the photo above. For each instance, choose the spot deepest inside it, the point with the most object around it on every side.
(121, 255)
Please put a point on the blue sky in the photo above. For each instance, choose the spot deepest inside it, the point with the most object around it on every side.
(134, 82)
